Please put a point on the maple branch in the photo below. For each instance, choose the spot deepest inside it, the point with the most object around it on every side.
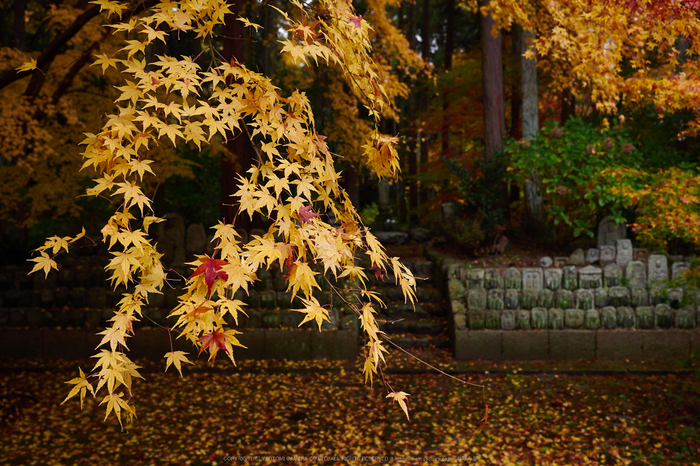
(43, 62)
(67, 80)
(388, 340)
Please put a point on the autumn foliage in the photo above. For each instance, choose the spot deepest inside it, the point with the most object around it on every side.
(175, 101)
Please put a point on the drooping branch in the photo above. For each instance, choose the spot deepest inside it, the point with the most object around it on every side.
(44, 60)
(67, 80)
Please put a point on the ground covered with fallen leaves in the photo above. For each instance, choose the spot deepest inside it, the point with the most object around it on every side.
(320, 412)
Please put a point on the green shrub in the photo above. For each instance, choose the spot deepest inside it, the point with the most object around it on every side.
(569, 160)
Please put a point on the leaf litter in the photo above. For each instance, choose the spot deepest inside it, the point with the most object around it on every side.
(322, 408)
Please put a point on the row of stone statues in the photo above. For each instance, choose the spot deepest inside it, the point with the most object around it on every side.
(644, 317)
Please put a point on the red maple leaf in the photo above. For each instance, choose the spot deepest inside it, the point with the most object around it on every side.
(356, 21)
(213, 342)
(378, 274)
(211, 268)
(306, 214)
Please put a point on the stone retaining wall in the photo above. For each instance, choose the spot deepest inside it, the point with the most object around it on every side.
(153, 343)
(43, 317)
(625, 304)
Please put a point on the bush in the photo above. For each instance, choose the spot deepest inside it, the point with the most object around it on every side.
(569, 161)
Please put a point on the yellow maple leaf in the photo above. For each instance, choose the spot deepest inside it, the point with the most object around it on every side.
(176, 358)
(81, 387)
(116, 402)
(302, 277)
(28, 66)
(313, 311)
(43, 262)
(401, 398)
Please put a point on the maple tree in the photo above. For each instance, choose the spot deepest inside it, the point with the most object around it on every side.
(615, 57)
(174, 101)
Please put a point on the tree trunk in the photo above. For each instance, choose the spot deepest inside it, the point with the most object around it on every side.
(352, 184)
(534, 221)
(515, 93)
(425, 97)
(238, 143)
(412, 133)
(568, 105)
(20, 8)
(449, 50)
(492, 75)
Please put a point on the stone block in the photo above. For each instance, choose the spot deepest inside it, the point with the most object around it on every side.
(574, 318)
(590, 277)
(334, 345)
(685, 318)
(565, 299)
(96, 298)
(657, 268)
(555, 319)
(694, 341)
(475, 279)
(626, 318)
(665, 344)
(539, 318)
(609, 317)
(552, 279)
(492, 321)
(612, 275)
(495, 299)
(522, 320)
(65, 344)
(570, 278)
(18, 317)
(636, 274)
(533, 279)
(271, 319)
(526, 345)
(512, 299)
(528, 298)
(508, 319)
(283, 344)
(78, 297)
(572, 344)
(153, 343)
(592, 256)
(625, 252)
(477, 299)
(577, 257)
(513, 279)
(640, 297)
(20, 343)
(486, 345)
(545, 299)
(618, 296)
(607, 255)
(455, 289)
(645, 317)
(614, 345)
(460, 321)
(592, 319)
(601, 297)
(254, 342)
(585, 299)
(34, 317)
(663, 316)
(476, 319)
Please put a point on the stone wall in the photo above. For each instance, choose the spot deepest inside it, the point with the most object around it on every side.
(605, 293)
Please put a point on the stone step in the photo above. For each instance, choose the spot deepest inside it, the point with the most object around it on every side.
(416, 327)
(426, 294)
(409, 341)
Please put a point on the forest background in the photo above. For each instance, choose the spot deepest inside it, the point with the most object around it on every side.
(536, 119)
